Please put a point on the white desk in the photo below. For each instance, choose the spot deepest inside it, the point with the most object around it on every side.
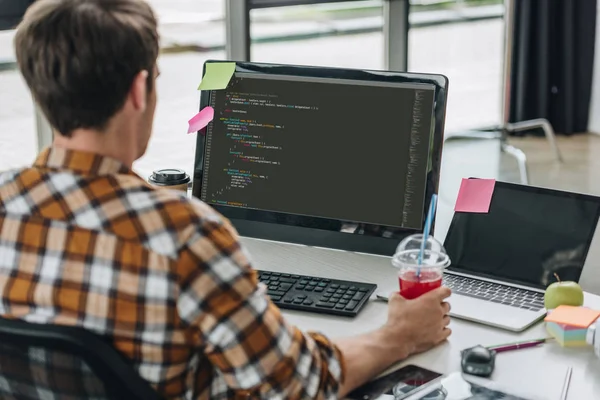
(539, 371)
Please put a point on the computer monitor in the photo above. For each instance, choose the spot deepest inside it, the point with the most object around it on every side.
(329, 157)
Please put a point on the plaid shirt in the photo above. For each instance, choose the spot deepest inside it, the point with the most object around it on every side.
(86, 242)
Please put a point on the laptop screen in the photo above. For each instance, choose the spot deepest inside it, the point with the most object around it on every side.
(528, 235)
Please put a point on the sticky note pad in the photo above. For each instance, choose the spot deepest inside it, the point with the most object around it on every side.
(475, 195)
(579, 317)
(566, 335)
(217, 75)
(201, 119)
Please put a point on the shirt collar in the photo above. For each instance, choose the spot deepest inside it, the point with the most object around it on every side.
(82, 162)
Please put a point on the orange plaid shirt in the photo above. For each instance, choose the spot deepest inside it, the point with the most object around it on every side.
(84, 241)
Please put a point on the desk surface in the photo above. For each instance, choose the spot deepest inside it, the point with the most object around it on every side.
(539, 372)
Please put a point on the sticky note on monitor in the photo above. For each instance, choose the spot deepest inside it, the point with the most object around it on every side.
(201, 119)
(217, 75)
(475, 195)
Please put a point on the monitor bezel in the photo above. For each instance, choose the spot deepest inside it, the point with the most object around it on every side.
(354, 242)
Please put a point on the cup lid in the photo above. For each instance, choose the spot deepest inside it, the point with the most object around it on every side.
(169, 176)
(431, 258)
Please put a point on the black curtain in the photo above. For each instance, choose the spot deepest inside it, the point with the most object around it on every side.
(11, 12)
(552, 63)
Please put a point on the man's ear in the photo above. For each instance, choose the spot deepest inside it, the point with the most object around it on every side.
(139, 90)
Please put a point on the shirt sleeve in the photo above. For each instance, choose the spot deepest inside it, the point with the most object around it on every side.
(245, 336)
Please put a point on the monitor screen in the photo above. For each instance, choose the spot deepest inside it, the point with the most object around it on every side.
(528, 235)
(331, 153)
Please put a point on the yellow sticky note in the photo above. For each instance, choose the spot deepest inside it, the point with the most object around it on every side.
(580, 317)
(217, 75)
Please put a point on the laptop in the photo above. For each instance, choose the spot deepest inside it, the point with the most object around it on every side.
(502, 261)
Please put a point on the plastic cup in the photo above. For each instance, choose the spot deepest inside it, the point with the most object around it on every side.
(416, 278)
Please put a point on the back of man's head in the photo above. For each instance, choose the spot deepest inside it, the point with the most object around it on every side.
(80, 57)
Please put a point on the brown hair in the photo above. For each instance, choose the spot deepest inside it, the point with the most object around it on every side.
(80, 57)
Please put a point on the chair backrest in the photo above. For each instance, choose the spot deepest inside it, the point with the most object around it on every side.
(39, 361)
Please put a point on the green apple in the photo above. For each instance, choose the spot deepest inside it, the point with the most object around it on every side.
(563, 294)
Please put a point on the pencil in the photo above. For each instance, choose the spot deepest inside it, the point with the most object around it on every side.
(565, 390)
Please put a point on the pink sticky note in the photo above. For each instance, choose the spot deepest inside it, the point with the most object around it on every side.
(201, 119)
(475, 195)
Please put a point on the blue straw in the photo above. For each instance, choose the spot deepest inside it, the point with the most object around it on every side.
(426, 230)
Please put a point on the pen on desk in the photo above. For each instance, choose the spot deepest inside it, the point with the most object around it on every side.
(518, 345)
(565, 390)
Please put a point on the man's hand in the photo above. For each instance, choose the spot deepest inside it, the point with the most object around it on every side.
(413, 326)
(420, 324)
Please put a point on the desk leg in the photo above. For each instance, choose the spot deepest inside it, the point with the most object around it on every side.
(44, 131)
(395, 30)
(237, 30)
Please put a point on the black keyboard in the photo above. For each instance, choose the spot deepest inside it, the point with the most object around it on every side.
(317, 295)
(495, 292)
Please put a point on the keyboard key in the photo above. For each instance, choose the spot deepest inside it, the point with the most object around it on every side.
(325, 304)
(351, 293)
(296, 276)
(323, 284)
(340, 306)
(347, 297)
(301, 296)
(351, 306)
(303, 282)
(288, 299)
(275, 298)
(287, 280)
(313, 283)
(358, 296)
(363, 290)
(275, 293)
(353, 288)
(307, 302)
(318, 289)
(300, 287)
(326, 280)
(275, 274)
(334, 286)
(344, 287)
(298, 301)
(343, 301)
(285, 275)
(273, 287)
(309, 288)
(336, 296)
(274, 278)
(330, 290)
(265, 273)
(285, 286)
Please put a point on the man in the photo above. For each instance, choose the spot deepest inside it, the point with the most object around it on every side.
(86, 242)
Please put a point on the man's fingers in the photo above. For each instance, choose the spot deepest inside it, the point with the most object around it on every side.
(446, 321)
(439, 293)
(444, 335)
(446, 308)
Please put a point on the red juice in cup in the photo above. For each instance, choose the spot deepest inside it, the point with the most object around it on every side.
(412, 286)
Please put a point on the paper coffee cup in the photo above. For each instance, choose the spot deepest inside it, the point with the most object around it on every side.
(170, 178)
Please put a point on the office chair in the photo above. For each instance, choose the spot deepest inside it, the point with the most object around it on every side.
(39, 361)
(501, 132)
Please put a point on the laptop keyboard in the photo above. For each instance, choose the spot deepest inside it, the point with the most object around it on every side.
(494, 292)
